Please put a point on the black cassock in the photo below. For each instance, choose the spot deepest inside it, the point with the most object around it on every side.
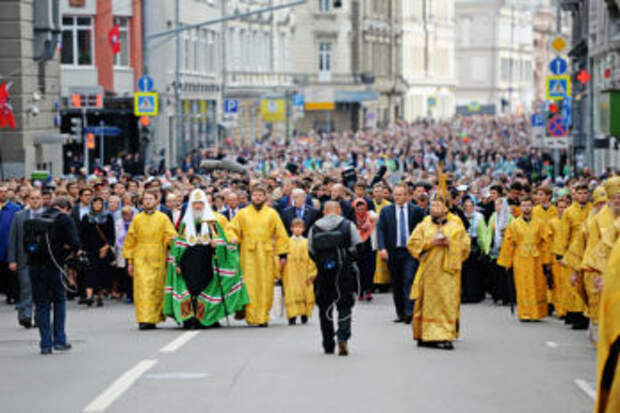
(196, 268)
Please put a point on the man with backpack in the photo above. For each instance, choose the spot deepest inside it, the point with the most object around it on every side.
(333, 246)
(48, 240)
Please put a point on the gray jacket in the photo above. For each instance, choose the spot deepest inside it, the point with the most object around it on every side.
(15, 249)
(330, 223)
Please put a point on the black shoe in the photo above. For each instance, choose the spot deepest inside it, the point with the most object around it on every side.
(146, 326)
(408, 319)
(329, 350)
(399, 320)
(63, 347)
(304, 319)
(292, 321)
(82, 300)
(89, 302)
(445, 345)
(264, 325)
(581, 324)
(99, 302)
(422, 343)
(26, 322)
(46, 351)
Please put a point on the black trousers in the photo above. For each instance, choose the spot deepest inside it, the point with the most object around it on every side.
(335, 291)
(402, 268)
(10, 282)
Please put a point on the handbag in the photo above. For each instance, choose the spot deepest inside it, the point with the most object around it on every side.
(110, 257)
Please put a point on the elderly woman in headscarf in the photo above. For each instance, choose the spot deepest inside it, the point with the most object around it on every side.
(474, 271)
(501, 284)
(365, 223)
(98, 238)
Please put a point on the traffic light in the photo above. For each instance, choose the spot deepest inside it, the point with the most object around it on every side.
(76, 100)
(90, 142)
(76, 127)
(145, 134)
(99, 100)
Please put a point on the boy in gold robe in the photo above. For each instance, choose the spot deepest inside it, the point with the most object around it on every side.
(299, 275)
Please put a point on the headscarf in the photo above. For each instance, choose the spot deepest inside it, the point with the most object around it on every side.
(365, 225)
(97, 218)
(189, 221)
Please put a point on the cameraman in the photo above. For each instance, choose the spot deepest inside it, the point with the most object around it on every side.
(333, 246)
(46, 277)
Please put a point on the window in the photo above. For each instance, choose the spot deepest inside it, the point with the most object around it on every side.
(209, 56)
(197, 50)
(325, 61)
(122, 58)
(282, 53)
(77, 41)
(245, 51)
(325, 6)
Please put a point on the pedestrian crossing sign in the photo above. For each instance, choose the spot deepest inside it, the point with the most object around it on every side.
(558, 87)
(145, 104)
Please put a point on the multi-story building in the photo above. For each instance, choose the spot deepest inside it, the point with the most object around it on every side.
(428, 58)
(494, 55)
(200, 77)
(258, 66)
(29, 66)
(90, 67)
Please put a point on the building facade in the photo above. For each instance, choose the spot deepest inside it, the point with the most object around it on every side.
(90, 67)
(200, 78)
(29, 66)
(495, 55)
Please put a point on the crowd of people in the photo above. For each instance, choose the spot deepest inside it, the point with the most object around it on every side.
(438, 213)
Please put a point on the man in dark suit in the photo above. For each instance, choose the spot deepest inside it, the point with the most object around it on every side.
(396, 223)
(82, 207)
(299, 209)
(232, 206)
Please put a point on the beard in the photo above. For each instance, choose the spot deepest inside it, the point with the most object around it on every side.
(257, 205)
(198, 214)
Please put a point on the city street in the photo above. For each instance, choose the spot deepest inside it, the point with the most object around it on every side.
(499, 365)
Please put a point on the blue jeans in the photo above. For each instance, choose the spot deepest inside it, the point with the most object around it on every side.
(47, 289)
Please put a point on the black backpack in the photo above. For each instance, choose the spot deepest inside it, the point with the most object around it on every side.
(330, 247)
(37, 233)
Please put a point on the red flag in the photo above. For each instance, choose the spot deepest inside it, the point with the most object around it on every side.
(6, 110)
(114, 37)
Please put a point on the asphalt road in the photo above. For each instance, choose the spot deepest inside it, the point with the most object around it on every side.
(499, 365)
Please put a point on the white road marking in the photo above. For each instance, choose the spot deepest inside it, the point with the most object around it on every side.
(586, 388)
(178, 342)
(176, 376)
(120, 386)
(552, 344)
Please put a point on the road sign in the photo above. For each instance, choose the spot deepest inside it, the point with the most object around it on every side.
(558, 43)
(319, 99)
(538, 120)
(556, 127)
(558, 87)
(145, 104)
(474, 106)
(105, 131)
(231, 106)
(558, 66)
(298, 100)
(145, 83)
(567, 112)
(431, 101)
(272, 110)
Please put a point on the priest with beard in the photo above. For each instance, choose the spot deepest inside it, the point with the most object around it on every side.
(260, 233)
(203, 283)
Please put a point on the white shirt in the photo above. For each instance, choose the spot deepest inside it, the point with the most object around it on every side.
(406, 212)
(84, 210)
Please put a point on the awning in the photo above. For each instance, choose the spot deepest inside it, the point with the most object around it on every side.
(51, 139)
(355, 96)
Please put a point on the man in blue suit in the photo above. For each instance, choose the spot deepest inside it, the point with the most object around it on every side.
(396, 223)
(301, 210)
(9, 278)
